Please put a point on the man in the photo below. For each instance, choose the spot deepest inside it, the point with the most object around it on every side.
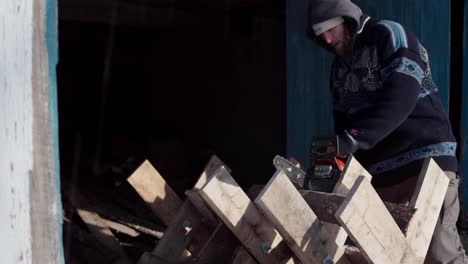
(387, 110)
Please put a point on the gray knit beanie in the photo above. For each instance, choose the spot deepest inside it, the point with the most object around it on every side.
(323, 10)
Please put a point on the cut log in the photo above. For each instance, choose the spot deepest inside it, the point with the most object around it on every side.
(370, 225)
(156, 193)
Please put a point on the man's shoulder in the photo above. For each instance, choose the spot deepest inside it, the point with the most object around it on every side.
(385, 28)
(391, 35)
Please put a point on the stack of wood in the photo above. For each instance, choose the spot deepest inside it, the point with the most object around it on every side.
(218, 222)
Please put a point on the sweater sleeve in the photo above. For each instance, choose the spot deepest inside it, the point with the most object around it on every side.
(401, 74)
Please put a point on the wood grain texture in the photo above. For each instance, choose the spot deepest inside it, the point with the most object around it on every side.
(352, 170)
(325, 205)
(197, 201)
(213, 164)
(233, 206)
(283, 205)
(370, 225)
(156, 193)
(428, 199)
(30, 221)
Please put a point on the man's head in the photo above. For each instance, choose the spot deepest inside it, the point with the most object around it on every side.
(336, 34)
(334, 23)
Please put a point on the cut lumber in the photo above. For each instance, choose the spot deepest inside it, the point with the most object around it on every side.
(325, 205)
(178, 236)
(116, 214)
(283, 205)
(428, 199)
(102, 233)
(173, 244)
(196, 200)
(120, 227)
(352, 170)
(213, 164)
(156, 193)
(370, 225)
(232, 205)
(219, 247)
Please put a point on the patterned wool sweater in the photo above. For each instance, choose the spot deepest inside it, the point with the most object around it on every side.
(387, 107)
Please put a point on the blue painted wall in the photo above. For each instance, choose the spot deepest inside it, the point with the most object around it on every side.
(464, 120)
(52, 51)
(309, 106)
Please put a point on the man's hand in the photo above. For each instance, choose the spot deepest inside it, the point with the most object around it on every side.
(295, 162)
(324, 147)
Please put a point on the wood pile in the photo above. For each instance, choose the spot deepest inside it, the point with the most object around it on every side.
(218, 222)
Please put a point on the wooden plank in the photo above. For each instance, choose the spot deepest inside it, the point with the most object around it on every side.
(120, 227)
(428, 199)
(196, 200)
(352, 170)
(283, 205)
(219, 248)
(117, 214)
(213, 164)
(154, 190)
(325, 205)
(173, 246)
(232, 205)
(370, 225)
(102, 233)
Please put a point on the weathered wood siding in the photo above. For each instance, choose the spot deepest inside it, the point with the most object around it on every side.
(309, 107)
(30, 208)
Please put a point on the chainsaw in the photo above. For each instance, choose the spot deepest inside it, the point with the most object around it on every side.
(326, 167)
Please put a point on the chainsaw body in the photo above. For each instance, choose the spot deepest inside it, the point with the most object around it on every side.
(321, 177)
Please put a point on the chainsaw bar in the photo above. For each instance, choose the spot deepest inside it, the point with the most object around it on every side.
(295, 174)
